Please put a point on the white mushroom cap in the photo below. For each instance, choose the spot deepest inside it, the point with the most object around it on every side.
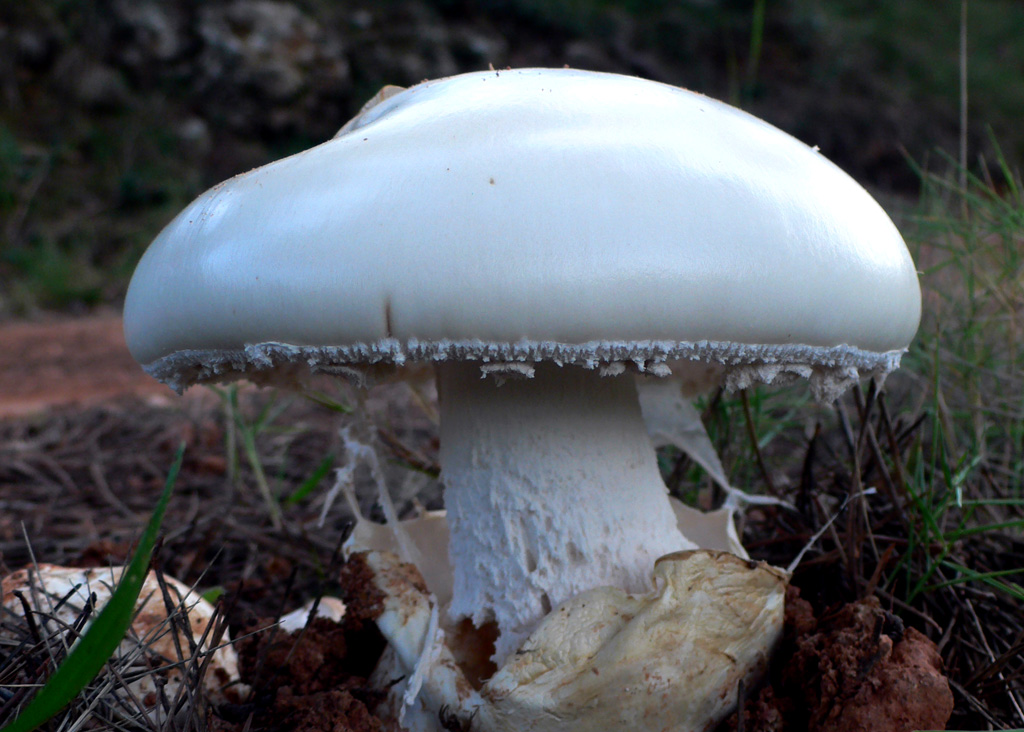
(525, 215)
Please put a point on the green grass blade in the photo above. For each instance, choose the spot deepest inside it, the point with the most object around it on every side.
(983, 529)
(989, 578)
(1015, 502)
(102, 638)
(311, 482)
(252, 454)
(325, 401)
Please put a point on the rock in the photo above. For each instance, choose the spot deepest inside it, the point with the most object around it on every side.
(195, 136)
(260, 53)
(584, 54)
(151, 33)
(34, 48)
(100, 87)
(407, 43)
(475, 48)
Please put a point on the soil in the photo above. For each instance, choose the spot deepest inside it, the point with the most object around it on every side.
(69, 361)
(313, 680)
(854, 669)
(85, 441)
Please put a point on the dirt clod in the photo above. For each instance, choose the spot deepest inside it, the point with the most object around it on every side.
(853, 670)
(328, 711)
(310, 680)
(362, 597)
(905, 692)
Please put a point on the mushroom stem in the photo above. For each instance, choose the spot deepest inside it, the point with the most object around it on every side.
(552, 488)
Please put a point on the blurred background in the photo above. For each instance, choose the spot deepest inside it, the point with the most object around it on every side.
(115, 113)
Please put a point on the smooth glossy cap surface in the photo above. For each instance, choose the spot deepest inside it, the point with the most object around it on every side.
(532, 207)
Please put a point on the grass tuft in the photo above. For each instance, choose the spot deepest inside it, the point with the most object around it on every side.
(88, 653)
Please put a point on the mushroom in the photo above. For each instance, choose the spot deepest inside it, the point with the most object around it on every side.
(148, 665)
(541, 236)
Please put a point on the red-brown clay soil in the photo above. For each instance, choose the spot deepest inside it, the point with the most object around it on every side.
(854, 669)
(69, 361)
(314, 680)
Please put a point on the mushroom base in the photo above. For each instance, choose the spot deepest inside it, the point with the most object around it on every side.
(672, 658)
(552, 489)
